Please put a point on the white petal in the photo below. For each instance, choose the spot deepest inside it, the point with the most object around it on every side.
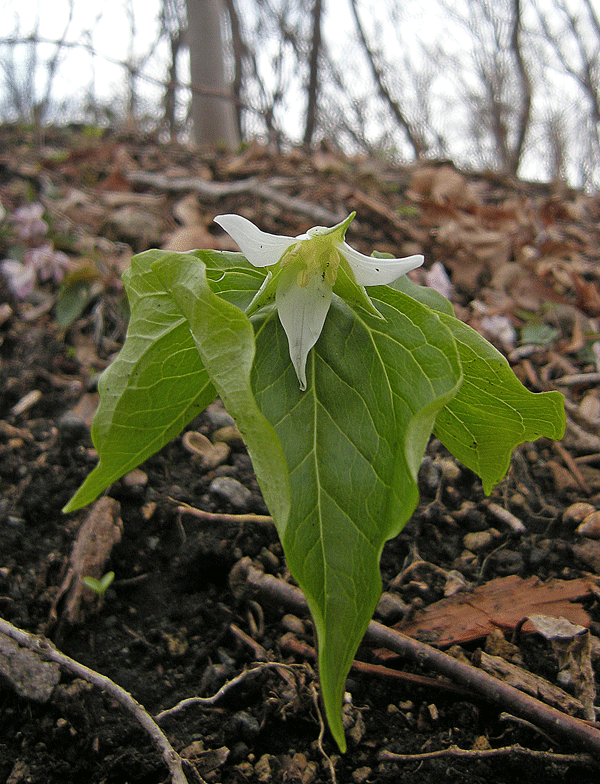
(370, 271)
(302, 312)
(261, 249)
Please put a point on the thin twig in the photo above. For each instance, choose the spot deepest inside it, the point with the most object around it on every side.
(218, 517)
(258, 650)
(502, 514)
(560, 725)
(253, 186)
(291, 644)
(46, 650)
(586, 459)
(572, 466)
(517, 750)
(577, 379)
(209, 702)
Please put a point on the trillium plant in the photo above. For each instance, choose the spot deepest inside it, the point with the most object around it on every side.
(337, 369)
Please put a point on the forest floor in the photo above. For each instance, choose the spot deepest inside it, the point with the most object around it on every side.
(520, 262)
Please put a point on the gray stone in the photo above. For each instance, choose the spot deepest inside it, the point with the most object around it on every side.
(477, 541)
(390, 608)
(508, 562)
(25, 672)
(217, 416)
(228, 489)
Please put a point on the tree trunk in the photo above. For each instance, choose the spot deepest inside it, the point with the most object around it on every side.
(212, 109)
(313, 82)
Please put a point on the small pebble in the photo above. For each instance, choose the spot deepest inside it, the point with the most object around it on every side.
(576, 513)
(477, 541)
(229, 435)
(136, 478)
(466, 563)
(239, 752)
(590, 527)
(72, 425)
(391, 608)
(430, 474)
(228, 489)
(217, 416)
(450, 471)
(292, 623)
(262, 769)
(588, 551)
(244, 725)
(210, 455)
(508, 562)
(268, 559)
(361, 775)
(455, 582)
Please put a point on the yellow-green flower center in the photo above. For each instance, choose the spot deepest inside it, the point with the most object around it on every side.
(317, 254)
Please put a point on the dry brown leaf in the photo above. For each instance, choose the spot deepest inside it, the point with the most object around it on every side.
(588, 295)
(193, 238)
(442, 184)
(501, 603)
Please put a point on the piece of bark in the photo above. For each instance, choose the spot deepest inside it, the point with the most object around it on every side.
(528, 682)
(91, 551)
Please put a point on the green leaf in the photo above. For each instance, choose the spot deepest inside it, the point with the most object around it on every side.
(493, 412)
(158, 383)
(423, 294)
(540, 334)
(152, 390)
(224, 339)
(337, 464)
(77, 291)
(353, 442)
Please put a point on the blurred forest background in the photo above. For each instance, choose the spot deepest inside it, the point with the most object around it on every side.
(506, 85)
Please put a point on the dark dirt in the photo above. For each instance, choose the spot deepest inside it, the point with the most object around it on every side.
(164, 628)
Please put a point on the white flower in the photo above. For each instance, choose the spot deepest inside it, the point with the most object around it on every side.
(306, 270)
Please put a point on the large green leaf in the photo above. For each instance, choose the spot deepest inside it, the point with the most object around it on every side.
(354, 442)
(158, 383)
(492, 412)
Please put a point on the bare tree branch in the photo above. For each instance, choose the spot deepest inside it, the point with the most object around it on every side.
(414, 138)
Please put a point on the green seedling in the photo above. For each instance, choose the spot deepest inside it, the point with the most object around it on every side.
(337, 369)
(100, 586)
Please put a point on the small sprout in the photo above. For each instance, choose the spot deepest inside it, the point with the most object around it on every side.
(99, 586)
